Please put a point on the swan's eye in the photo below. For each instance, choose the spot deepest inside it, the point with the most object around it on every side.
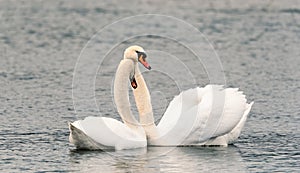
(137, 51)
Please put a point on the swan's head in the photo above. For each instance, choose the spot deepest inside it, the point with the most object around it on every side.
(137, 54)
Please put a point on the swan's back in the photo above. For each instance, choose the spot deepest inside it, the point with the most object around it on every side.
(223, 108)
(201, 114)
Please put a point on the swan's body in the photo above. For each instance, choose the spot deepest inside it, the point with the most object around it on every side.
(200, 116)
(104, 133)
(107, 133)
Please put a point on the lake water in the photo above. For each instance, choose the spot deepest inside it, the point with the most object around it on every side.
(40, 44)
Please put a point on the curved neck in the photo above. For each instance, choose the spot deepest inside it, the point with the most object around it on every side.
(144, 106)
(121, 97)
(143, 100)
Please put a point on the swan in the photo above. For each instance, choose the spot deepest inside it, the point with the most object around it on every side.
(107, 133)
(210, 115)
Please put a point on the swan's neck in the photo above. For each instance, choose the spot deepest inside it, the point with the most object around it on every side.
(144, 106)
(124, 71)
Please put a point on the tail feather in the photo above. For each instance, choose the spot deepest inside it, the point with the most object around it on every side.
(81, 140)
(235, 133)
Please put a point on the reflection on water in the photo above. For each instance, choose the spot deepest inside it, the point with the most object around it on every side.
(159, 159)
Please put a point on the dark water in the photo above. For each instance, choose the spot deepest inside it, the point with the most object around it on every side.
(40, 42)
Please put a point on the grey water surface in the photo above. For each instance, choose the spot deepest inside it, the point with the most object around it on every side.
(40, 41)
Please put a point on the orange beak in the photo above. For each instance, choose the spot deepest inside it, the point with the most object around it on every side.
(142, 59)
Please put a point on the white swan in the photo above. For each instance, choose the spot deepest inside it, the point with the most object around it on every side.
(201, 116)
(106, 133)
